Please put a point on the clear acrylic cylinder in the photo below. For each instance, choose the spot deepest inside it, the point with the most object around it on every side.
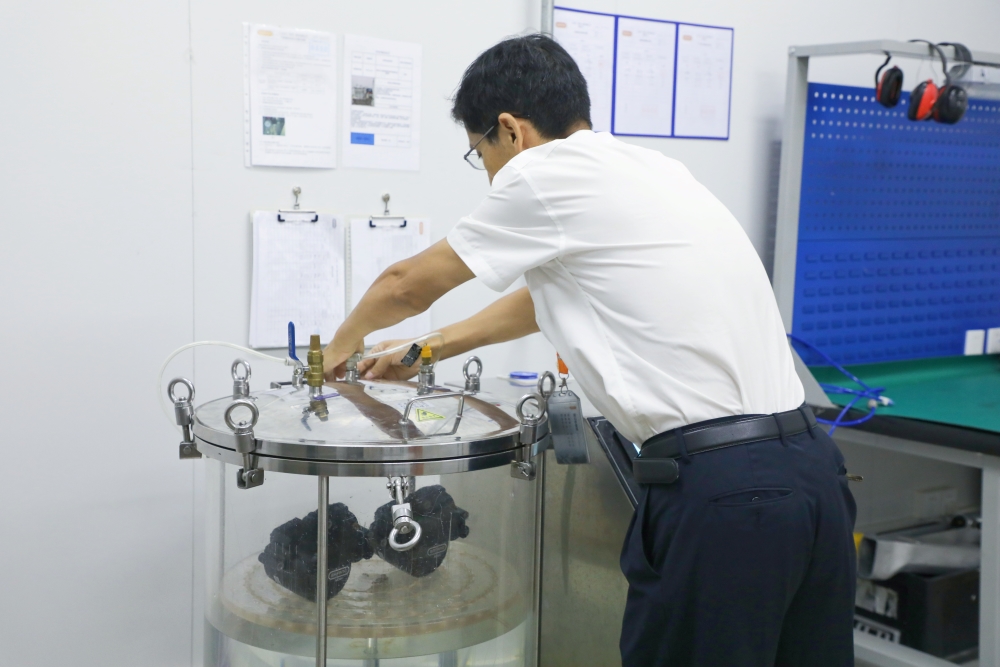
(464, 596)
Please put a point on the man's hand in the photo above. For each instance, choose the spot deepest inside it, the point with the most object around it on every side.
(335, 356)
(405, 289)
(510, 317)
(389, 367)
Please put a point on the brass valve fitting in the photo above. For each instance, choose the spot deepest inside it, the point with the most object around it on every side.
(314, 377)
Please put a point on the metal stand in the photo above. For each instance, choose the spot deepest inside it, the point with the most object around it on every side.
(536, 587)
(871, 650)
(372, 660)
(321, 568)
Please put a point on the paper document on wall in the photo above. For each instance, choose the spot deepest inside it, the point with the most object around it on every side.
(298, 276)
(376, 248)
(704, 75)
(590, 39)
(381, 98)
(290, 97)
(644, 83)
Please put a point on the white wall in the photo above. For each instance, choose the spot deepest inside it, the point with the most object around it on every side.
(126, 235)
(95, 288)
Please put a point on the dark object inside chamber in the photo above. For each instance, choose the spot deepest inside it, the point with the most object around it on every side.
(440, 520)
(290, 557)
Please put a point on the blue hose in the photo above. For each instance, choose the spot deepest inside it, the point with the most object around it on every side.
(873, 394)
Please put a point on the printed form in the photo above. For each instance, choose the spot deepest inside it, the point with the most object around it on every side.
(644, 85)
(373, 250)
(290, 97)
(298, 276)
(704, 75)
(381, 103)
(590, 39)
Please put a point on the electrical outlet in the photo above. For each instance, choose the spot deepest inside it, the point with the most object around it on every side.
(935, 502)
(993, 341)
(975, 340)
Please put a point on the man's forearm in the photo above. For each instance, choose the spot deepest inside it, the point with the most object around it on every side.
(383, 305)
(405, 289)
(510, 317)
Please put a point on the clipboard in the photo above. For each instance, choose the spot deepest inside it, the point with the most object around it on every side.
(376, 242)
(310, 268)
(299, 275)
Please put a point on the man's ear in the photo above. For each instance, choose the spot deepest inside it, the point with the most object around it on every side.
(510, 131)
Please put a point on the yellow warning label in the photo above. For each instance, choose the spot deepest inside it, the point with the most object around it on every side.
(427, 415)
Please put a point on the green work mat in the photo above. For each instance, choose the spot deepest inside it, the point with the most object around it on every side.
(961, 391)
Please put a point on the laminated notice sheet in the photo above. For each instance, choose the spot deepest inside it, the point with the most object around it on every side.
(298, 276)
(381, 103)
(290, 97)
(644, 77)
(375, 246)
(704, 75)
(590, 39)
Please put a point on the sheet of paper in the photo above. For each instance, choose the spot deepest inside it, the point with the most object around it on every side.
(373, 250)
(290, 97)
(644, 81)
(298, 276)
(381, 98)
(704, 76)
(590, 39)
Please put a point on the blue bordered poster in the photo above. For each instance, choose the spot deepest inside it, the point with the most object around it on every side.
(649, 77)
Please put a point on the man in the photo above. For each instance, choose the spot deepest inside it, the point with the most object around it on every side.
(652, 293)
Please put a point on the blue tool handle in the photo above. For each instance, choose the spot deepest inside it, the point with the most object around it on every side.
(291, 341)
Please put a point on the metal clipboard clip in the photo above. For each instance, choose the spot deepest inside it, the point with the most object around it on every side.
(296, 211)
(386, 219)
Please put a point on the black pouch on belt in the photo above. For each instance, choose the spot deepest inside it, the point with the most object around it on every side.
(655, 471)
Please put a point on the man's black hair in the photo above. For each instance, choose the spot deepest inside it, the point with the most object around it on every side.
(529, 77)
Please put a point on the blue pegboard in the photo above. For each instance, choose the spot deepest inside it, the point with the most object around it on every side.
(899, 229)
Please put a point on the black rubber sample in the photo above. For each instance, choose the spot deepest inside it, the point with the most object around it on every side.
(290, 557)
(440, 520)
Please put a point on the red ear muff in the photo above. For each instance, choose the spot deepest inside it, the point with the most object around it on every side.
(889, 87)
(922, 101)
(951, 104)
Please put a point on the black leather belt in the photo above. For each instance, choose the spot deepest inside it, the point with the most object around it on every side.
(657, 464)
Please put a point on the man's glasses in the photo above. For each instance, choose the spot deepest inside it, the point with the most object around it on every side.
(474, 159)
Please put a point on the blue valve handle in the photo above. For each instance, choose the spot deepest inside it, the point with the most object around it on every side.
(291, 341)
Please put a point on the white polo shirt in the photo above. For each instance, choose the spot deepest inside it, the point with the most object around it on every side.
(642, 280)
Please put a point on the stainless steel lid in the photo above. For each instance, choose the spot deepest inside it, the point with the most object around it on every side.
(377, 422)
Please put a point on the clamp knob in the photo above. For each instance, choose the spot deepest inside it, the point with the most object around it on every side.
(547, 375)
(472, 383)
(532, 430)
(241, 383)
(184, 415)
(249, 475)
(183, 409)
(403, 524)
(243, 430)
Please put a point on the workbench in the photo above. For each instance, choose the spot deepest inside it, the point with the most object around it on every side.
(944, 410)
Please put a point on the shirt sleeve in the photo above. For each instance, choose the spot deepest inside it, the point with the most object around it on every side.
(509, 233)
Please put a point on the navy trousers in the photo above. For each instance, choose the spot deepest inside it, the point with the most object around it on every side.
(747, 560)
